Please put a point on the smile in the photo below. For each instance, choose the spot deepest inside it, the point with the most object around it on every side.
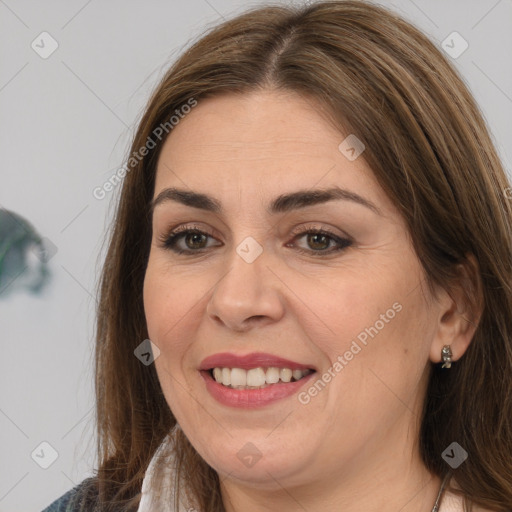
(252, 380)
(256, 378)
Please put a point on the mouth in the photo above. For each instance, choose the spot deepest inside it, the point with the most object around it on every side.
(253, 380)
(256, 378)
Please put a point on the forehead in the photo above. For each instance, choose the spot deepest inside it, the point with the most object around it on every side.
(256, 142)
(254, 126)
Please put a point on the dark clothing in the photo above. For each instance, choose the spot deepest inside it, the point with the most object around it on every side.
(84, 493)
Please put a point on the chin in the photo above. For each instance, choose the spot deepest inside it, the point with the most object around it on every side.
(259, 463)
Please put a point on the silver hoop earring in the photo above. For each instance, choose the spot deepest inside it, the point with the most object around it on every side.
(446, 354)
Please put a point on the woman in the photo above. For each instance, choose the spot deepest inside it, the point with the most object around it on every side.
(315, 236)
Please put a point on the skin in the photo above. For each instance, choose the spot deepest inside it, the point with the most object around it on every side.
(354, 445)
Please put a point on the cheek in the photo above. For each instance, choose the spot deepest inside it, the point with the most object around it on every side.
(168, 307)
(169, 299)
(375, 331)
(354, 307)
(174, 304)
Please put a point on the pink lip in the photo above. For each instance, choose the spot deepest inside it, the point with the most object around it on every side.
(248, 361)
(251, 398)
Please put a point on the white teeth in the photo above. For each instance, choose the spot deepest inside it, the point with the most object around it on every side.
(285, 374)
(272, 375)
(238, 377)
(217, 374)
(256, 377)
(226, 376)
(297, 374)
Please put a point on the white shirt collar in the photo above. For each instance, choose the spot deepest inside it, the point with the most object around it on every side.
(158, 486)
(451, 502)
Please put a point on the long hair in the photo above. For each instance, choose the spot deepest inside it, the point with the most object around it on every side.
(430, 150)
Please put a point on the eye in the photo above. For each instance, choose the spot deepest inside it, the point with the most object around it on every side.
(320, 241)
(194, 238)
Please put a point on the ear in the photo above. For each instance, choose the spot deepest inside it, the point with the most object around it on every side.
(460, 309)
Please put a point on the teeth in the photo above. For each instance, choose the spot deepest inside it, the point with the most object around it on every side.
(226, 377)
(238, 377)
(285, 375)
(217, 374)
(272, 375)
(297, 374)
(256, 378)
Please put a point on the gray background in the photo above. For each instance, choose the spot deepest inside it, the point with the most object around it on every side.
(66, 125)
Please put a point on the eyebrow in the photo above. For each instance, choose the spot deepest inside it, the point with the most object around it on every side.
(281, 204)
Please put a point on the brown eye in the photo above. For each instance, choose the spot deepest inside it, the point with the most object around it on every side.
(195, 241)
(321, 242)
(318, 241)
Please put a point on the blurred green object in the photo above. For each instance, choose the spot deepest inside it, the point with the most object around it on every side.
(24, 255)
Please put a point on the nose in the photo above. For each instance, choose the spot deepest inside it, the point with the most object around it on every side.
(248, 295)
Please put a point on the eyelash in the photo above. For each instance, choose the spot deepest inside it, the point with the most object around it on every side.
(170, 240)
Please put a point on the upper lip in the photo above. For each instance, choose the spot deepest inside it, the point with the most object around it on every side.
(248, 361)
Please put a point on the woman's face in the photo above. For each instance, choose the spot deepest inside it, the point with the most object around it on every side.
(256, 279)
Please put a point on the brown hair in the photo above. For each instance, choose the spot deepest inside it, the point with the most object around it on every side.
(378, 77)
